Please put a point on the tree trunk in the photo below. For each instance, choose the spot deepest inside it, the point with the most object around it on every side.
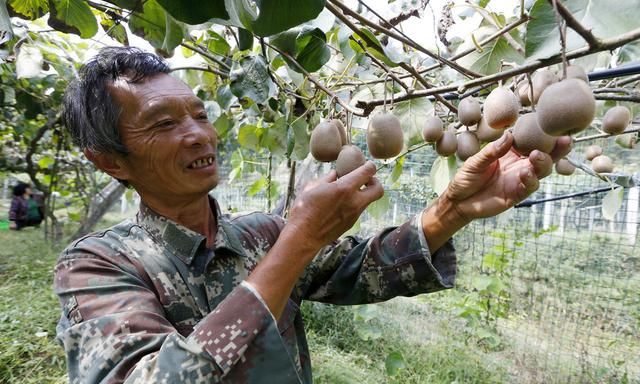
(100, 204)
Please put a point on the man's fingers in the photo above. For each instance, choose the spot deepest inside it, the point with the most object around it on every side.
(542, 163)
(562, 148)
(372, 191)
(529, 183)
(359, 176)
(490, 153)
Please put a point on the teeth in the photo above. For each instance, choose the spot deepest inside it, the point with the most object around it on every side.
(202, 162)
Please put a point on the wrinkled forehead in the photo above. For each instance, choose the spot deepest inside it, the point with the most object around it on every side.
(153, 87)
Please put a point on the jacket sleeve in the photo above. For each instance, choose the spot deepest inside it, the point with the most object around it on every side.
(17, 211)
(114, 330)
(395, 262)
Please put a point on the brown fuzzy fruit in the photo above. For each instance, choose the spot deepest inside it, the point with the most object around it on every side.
(577, 72)
(341, 130)
(432, 129)
(528, 136)
(349, 158)
(602, 164)
(522, 90)
(384, 136)
(616, 120)
(566, 107)
(468, 145)
(541, 80)
(592, 151)
(325, 142)
(501, 108)
(487, 134)
(448, 143)
(469, 111)
(564, 167)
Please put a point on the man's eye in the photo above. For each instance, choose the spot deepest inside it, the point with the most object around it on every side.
(164, 123)
(203, 116)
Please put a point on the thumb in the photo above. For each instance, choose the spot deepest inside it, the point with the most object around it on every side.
(491, 152)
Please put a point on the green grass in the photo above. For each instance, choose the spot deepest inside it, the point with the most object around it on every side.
(28, 310)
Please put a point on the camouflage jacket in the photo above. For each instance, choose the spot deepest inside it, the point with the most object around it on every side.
(146, 302)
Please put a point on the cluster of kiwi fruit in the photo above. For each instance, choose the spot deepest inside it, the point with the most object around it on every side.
(328, 142)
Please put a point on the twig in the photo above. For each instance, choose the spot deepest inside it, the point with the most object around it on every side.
(575, 25)
(204, 69)
(634, 97)
(317, 83)
(605, 45)
(426, 84)
(382, 65)
(510, 40)
(562, 30)
(408, 151)
(206, 54)
(333, 6)
(601, 135)
(613, 90)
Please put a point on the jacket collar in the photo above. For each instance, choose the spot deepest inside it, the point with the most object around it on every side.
(183, 242)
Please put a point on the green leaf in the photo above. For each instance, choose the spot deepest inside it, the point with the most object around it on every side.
(312, 50)
(29, 62)
(368, 331)
(250, 78)
(604, 18)
(373, 45)
(397, 169)
(115, 30)
(72, 16)
(301, 137)
(194, 11)
(245, 39)
(217, 44)
(157, 27)
(394, 363)
(28, 9)
(442, 172)
(46, 162)
(266, 18)
(412, 114)
(6, 33)
(275, 138)
(612, 202)
(306, 44)
(365, 312)
(257, 186)
(248, 136)
(378, 208)
(492, 56)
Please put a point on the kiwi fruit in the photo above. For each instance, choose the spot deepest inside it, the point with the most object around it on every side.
(564, 167)
(602, 164)
(325, 142)
(468, 145)
(522, 90)
(577, 72)
(432, 129)
(341, 130)
(592, 151)
(448, 143)
(540, 81)
(487, 134)
(349, 158)
(616, 120)
(501, 108)
(628, 140)
(384, 136)
(528, 136)
(566, 107)
(469, 111)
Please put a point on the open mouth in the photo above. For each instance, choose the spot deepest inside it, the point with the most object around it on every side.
(201, 163)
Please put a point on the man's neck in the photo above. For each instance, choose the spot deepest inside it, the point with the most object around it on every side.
(197, 215)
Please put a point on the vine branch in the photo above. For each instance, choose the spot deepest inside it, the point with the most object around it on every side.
(574, 24)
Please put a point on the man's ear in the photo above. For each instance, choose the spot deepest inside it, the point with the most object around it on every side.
(109, 163)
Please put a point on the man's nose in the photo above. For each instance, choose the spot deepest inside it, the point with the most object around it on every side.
(197, 133)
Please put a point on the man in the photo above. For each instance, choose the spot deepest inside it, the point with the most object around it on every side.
(185, 294)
